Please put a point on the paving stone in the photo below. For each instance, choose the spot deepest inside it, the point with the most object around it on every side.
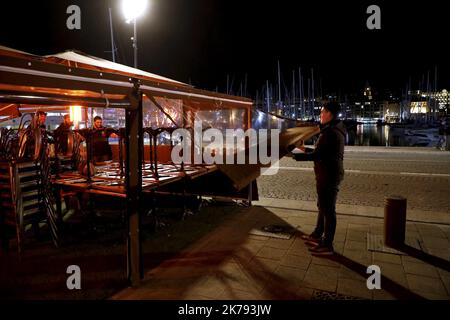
(354, 226)
(322, 278)
(426, 284)
(300, 262)
(324, 261)
(255, 238)
(376, 229)
(443, 273)
(291, 275)
(271, 253)
(194, 296)
(235, 294)
(347, 273)
(308, 228)
(430, 231)
(355, 288)
(436, 243)
(268, 265)
(339, 246)
(303, 252)
(410, 226)
(412, 259)
(299, 248)
(386, 257)
(340, 237)
(440, 253)
(393, 272)
(245, 278)
(383, 295)
(355, 245)
(420, 269)
(253, 246)
(305, 293)
(280, 243)
(363, 257)
(360, 222)
(211, 287)
(446, 282)
(242, 256)
(431, 296)
(356, 235)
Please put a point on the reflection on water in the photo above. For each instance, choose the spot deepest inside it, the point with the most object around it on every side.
(374, 135)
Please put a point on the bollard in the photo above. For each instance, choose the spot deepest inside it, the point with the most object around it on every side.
(394, 221)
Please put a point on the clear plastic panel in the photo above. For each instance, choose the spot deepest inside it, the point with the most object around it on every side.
(154, 118)
(222, 119)
(264, 120)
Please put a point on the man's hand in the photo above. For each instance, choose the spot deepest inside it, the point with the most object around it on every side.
(291, 147)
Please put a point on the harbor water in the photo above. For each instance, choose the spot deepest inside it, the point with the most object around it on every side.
(391, 136)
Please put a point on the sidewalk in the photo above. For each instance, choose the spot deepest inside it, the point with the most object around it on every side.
(231, 263)
(401, 150)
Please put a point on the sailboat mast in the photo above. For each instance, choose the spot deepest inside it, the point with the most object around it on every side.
(294, 114)
(428, 98)
(279, 82)
(309, 97)
(300, 83)
(313, 92)
(436, 106)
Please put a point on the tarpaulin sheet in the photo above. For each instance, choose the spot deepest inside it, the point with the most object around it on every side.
(243, 174)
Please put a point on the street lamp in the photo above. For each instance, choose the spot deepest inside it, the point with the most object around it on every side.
(133, 9)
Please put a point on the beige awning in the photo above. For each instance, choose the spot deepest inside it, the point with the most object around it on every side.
(76, 57)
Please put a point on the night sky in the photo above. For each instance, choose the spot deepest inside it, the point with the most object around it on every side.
(201, 41)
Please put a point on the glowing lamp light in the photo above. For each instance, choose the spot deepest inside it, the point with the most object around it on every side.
(133, 9)
(260, 116)
(75, 115)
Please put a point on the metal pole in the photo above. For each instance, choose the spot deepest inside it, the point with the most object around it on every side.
(135, 44)
(133, 182)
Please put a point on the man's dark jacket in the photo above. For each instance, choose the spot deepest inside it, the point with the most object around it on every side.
(62, 136)
(328, 155)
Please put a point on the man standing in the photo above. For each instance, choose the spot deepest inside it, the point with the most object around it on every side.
(328, 156)
(100, 145)
(41, 119)
(62, 134)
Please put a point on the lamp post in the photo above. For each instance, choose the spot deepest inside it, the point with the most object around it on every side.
(132, 10)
